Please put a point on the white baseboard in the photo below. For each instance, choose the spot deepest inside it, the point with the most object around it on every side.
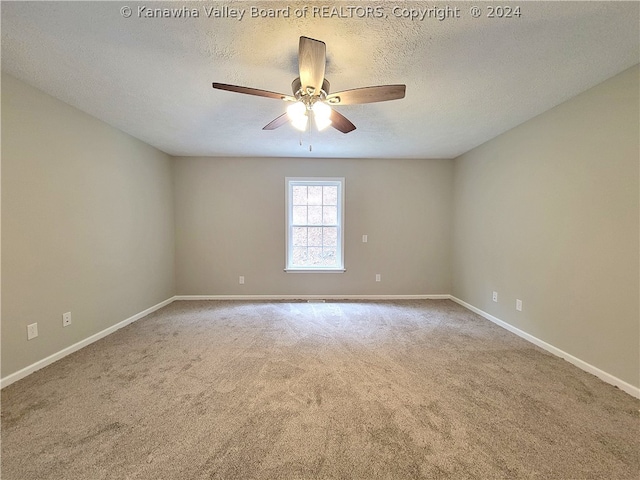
(14, 377)
(608, 378)
(587, 367)
(312, 297)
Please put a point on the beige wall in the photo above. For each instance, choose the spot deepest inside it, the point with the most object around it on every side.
(87, 225)
(230, 221)
(549, 213)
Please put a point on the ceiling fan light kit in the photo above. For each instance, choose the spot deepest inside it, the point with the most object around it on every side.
(311, 97)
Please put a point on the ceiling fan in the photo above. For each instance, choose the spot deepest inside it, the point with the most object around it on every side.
(311, 96)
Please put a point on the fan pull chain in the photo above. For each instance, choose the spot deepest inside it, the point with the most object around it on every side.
(301, 141)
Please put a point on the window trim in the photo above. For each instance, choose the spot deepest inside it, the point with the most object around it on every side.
(290, 182)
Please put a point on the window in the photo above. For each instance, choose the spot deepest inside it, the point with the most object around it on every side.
(315, 224)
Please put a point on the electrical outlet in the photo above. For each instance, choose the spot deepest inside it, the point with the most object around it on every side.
(32, 331)
(519, 305)
(364, 238)
(378, 277)
(495, 296)
(66, 319)
(241, 280)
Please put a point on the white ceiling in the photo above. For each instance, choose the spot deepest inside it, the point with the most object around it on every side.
(468, 79)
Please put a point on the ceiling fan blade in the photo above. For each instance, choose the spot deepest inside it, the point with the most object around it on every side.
(340, 122)
(312, 57)
(381, 93)
(253, 91)
(278, 122)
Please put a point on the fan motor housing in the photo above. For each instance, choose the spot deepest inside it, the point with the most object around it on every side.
(298, 92)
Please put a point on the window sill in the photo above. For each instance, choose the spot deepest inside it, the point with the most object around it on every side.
(315, 270)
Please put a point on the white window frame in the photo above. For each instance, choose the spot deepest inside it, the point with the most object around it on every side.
(290, 182)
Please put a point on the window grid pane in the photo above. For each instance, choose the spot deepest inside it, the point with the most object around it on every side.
(315, 246)
(330, 237)
(314, 195)
(314, 216)
(299, 195)
(329, 195)
(329, 215)
(314, 228)
(300, 215)
(299, 237)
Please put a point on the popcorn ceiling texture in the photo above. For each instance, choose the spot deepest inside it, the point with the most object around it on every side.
(467, 79)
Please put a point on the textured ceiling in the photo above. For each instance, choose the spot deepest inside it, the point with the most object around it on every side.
(468, 79)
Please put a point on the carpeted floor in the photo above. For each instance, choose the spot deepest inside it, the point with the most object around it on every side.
(344, 390)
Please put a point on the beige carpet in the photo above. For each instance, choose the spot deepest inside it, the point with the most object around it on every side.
(234, 390)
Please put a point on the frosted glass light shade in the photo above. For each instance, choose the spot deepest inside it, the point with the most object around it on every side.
(322, 115)
(300, 123)
(321, 122)
(297, 113)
